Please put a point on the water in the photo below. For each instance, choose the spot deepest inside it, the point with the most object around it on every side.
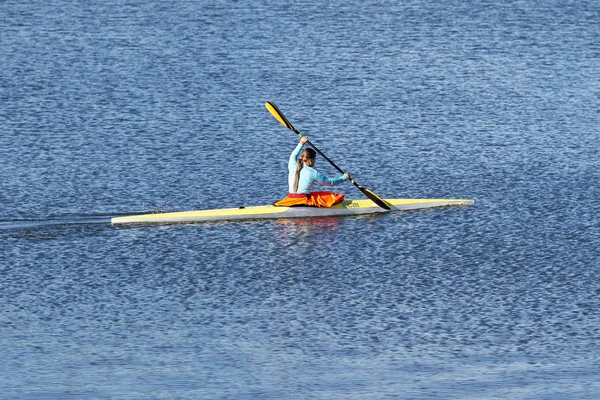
(129, 106)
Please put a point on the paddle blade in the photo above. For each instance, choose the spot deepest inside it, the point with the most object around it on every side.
(374, 198)
(280, 117)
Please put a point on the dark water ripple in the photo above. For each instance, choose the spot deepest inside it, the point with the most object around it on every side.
(124, 107)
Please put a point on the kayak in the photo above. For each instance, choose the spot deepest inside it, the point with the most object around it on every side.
(347, 207)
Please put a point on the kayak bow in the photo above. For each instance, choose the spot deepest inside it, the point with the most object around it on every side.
(347, 207)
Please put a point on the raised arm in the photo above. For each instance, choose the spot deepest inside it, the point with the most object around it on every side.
(296, 153)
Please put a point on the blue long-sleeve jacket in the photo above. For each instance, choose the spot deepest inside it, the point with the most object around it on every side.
(308, 175)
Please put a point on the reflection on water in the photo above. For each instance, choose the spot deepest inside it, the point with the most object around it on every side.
(308, 226)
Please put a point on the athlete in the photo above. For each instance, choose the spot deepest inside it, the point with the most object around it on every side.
(302, 175)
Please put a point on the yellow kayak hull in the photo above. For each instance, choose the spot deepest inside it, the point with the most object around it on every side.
(347, 207)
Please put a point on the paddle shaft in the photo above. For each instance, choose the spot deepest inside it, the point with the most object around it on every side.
(324, 156)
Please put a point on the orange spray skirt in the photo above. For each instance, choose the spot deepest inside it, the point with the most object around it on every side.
(314, 199)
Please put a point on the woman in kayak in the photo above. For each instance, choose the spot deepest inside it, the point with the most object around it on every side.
(302, 175)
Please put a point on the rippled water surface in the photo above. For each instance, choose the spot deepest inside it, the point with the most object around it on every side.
(111, 108)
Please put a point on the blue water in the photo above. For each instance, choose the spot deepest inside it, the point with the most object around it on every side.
(118, 107)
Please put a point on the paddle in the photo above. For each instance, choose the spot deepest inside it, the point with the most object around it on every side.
(279, 116)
